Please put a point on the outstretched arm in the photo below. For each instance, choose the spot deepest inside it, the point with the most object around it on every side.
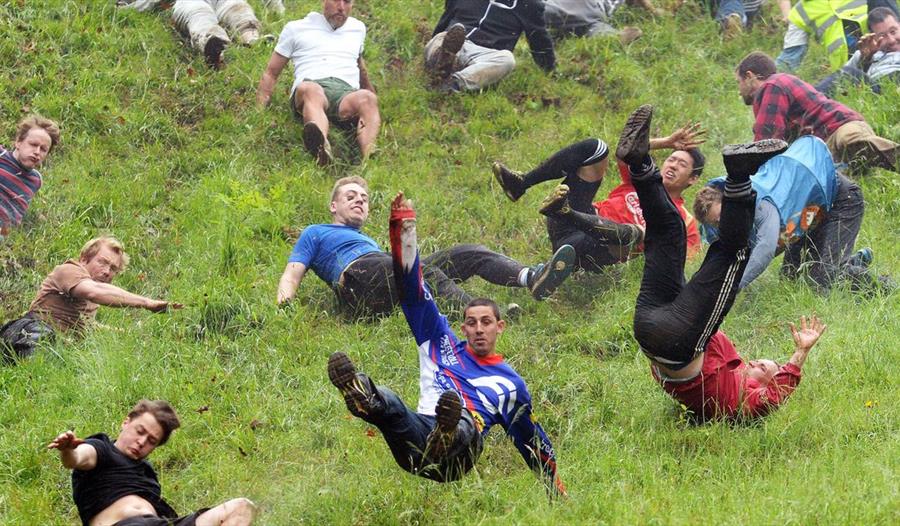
(73, 452)
(534, 446)
(418, 305)
(113, 296)
(760, 401)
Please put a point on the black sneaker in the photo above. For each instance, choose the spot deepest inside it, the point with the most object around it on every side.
(557, 202)
(743, 160)
(213, 50)
(441, 65)
(316, 144)
(511, 182)
(357, 389)
(447, 413)
(634, 143)
(545, 278)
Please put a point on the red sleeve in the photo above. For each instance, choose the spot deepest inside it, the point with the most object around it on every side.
(771, 114)
(759, 400)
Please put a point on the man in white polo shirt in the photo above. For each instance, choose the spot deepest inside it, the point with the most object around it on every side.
(330, 78)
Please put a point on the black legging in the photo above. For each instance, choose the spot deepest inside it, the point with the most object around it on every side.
(674, 320)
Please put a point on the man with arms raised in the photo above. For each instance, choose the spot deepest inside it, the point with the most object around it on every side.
(69, 296)
(114, 485)
(676, 322)
(465, 387)
(361, 274)
(787, 107)
(330, 77)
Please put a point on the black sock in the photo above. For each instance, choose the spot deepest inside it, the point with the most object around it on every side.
(643, 170)
(737, 190)
(566, 161)
(581, 193)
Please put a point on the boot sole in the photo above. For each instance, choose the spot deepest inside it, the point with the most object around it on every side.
(554, 202)
(557, 270)
(454, 39)
(748, 157)
(212, 51)
(342, 374)
(447, 414)
(497, 168)
(637, 127)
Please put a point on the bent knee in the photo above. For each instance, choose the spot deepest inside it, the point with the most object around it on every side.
(241, 506)
(506, 59)
(310, 90)
(367, 99)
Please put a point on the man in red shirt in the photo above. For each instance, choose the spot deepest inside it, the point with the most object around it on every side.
(676, 323)
(787, 107)
(608, 231)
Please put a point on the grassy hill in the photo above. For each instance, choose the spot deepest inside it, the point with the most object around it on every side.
(206, 192)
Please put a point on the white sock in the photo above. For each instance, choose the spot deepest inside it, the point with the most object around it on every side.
(523, 276)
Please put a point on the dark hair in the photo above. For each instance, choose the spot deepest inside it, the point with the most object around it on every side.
(162, 412)
(699, 161)
(759, 64)
(36, 121)
(483, 302)
(879, 15)
(706, 198)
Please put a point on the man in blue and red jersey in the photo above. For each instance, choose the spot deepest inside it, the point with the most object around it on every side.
(786, 107)
(465, 387)
(19, 178)
(676, 322)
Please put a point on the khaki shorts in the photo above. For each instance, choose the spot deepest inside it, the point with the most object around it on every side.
(856, 139)
(335, 90)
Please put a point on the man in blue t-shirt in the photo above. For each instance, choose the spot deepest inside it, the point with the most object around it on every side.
(361, 274)
(465, 387)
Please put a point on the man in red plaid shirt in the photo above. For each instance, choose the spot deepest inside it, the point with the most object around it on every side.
(787, 107)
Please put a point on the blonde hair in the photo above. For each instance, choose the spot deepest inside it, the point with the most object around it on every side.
(36, 121)
(704, 201)
(90, 249)
(344, 181)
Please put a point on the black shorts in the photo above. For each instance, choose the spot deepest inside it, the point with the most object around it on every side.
(153, 520)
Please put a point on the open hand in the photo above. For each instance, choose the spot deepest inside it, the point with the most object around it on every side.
(808, 334)
(64, 441)
(869, 44)
(689, 136)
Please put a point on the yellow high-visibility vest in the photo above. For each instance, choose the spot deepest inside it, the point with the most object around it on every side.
(822, 18)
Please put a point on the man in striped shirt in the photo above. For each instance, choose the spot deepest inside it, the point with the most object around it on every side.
(19, 178)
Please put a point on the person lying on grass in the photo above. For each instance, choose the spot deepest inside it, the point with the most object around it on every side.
(465, 386)
(676, 323)
(69, 297)
(19, 178)
(610, 231)
(361, 274)
(114, 485)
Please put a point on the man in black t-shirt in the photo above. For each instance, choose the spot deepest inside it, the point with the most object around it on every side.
(113, 484)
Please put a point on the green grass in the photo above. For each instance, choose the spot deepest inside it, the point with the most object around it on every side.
(176, 161)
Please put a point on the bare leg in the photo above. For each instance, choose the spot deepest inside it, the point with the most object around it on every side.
(310, 101)
(363, 104)
(235, 512)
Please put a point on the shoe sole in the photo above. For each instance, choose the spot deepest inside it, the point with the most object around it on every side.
(557, 270)
(447, 414)
(637, 126)
(454, 39)
(497, 168)
(213, 52)
(315, 143)
(343, 375)
(556, 201)
(748, 157)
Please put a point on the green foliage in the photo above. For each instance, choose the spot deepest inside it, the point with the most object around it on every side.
(207, 193)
